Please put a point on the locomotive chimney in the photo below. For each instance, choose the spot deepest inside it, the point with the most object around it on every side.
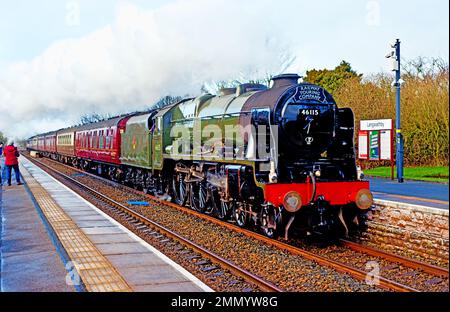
(285, 80)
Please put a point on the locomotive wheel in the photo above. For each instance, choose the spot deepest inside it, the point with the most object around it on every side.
(224, 209)
(179, 189)
(355, 220)
(199, 196)
(269, 232)
(268, 220)
(240, 215)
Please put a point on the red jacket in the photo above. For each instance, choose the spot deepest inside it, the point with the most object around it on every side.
(10, 153)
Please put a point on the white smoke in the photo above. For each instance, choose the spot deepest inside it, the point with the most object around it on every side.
(140, 57)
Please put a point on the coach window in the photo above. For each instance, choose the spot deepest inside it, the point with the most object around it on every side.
(108, 139)
(94, 145)
(100, 139)
(112, 138)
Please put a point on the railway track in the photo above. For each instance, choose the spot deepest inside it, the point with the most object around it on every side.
(137, 217)
(339, 266)
(411, 263)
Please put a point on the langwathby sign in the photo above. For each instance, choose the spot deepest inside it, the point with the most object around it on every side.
(375, 140)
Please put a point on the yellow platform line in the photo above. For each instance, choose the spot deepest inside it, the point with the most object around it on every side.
(94, 269)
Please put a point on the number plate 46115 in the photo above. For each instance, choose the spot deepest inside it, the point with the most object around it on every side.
(309, 112)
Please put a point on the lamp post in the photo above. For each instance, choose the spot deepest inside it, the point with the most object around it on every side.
(394, 55)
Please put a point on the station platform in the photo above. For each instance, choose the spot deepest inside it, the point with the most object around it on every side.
(29, 258)
(86, 250)
(428, 194)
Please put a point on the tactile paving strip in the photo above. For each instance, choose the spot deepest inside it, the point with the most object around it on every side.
(96, 272)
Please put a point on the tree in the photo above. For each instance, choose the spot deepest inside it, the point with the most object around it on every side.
(332, 80)
(95, 117)
(21, 143)
(423, 67)
(3, 138)
(166, 101)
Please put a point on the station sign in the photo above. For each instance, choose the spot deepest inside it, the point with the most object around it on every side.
(379, 124)
(375, 140)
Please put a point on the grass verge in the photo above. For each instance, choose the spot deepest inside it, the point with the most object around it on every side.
(431, 174)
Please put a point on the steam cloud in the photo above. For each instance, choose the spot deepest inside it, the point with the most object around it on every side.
(141, 56)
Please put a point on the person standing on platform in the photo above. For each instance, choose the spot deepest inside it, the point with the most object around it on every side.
(2, 163)
(11, 154)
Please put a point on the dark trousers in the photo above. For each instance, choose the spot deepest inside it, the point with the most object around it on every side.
(16, 171)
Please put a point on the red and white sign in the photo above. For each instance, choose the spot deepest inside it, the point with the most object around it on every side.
(363, 147)
(386, 143)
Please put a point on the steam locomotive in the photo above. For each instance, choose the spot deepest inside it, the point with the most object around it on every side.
(279, 158)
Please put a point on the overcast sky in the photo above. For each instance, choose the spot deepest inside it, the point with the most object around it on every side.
(61, 59)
